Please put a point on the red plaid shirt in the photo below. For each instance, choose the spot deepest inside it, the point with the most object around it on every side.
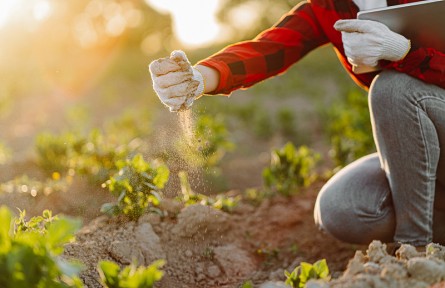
(308, 26)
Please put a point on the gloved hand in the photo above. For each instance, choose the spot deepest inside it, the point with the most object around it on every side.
(366, 42)
(176, 82)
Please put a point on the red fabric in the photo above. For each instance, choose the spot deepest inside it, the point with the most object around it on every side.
(306, 27)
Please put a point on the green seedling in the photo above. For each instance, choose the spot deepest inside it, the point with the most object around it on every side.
(93, 155)
(247, 284)
(138, 186)
(220, 201)
(348, 127)
(290, 169)
(305, 272)
(38, 223)
(256, 196)
(131, 276)
(30, 251)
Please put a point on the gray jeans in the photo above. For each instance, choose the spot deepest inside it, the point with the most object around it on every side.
(398, 193)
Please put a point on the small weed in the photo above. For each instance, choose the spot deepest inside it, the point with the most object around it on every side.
(94, 155)
(294, 248)
(39, 223)
(208, 253)
(349, 129)
(112, 276)
(137, 185)
(219, 201)
(303, 273)
(255, 196)
(247, 284)
(290, 169)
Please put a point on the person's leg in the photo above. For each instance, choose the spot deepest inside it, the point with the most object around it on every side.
(408, 119)
(355, 205)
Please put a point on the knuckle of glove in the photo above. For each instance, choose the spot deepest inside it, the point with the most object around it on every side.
(172, 79)
(174, 91)
(162, 66)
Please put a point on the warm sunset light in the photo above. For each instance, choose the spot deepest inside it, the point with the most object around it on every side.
(6, 9)
(195, 22)
(19, 10)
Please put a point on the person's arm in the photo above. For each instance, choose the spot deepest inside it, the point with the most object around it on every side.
(243, 64)
(211, 78)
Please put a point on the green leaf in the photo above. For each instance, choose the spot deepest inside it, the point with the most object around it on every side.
(307, 272)
(110, 209)
(247, 284)
(321, 269)
(61, 231)
(5, 226)
(162, 175)
(109, 274)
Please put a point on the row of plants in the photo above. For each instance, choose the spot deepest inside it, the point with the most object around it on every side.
(256, 119)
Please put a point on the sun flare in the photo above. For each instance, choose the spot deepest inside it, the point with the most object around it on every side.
(194, 21)
(6, 10)
(20, 10)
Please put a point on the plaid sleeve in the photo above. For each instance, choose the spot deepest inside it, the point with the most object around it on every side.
(423, 63)
(243, 64)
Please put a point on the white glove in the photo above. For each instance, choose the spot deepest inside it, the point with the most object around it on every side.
(176, 82)
(366, 42)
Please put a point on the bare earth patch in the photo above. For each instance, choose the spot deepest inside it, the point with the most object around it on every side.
(205, 247)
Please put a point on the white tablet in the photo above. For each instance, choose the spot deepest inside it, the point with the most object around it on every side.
(422, 22)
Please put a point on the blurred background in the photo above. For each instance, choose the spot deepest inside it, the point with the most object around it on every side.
(75, 95)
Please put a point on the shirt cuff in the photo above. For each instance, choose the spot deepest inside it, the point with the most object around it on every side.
(225, 79)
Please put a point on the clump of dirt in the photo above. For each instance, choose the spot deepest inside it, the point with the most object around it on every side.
(205, 247)
(408, 268)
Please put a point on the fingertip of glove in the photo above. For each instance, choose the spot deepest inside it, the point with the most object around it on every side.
(339, 24)
(178, 55)
(151, 65)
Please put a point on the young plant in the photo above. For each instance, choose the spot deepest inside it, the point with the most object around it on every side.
(349, 129)
(220, 201)
(38, 223)
(305, 272)
(112, 276)
(137, 185)
(30, 251)
(247, 284)
(290, 169)
(92, 155)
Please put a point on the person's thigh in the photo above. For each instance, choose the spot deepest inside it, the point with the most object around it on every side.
(355, 205)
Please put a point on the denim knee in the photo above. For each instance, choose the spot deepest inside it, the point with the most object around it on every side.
(355, 205)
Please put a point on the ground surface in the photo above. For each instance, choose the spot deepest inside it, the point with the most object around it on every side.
(203, 247)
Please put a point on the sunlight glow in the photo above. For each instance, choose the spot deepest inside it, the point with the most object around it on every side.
(195, 22)
(21, 10)
(114, 18)
(41, 10)
(6, 9)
